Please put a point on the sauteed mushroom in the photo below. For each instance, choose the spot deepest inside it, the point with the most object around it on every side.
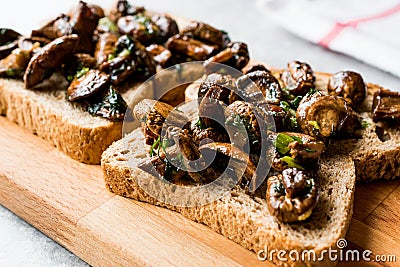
(89, 84)
(241, 159)
(241, 114)
(84, 21)
(105, 47)
(160, 54)
(292, 195)
(323, 115)
(208, 34)
(224, 85)
(279, 116)
(256, 82)
(256, 67)
(48, 58)
(349, 85)
(55, 28)
(153, 113)
(386, 105)
(8, 41)
(14, 65)
(295, 150)
(195, 49)
(124, 8)
(298, 78)
(140, 27)
(129, 59)
(167, 27)
(211, 110)
(236, 55)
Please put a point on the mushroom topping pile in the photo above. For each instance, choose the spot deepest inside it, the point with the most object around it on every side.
(101, 54)
(232, 126)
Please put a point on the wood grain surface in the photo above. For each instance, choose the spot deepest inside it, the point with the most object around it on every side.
(67, 201)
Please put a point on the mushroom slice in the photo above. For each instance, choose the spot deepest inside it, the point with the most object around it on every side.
(256, 67)
(81, 88)
(167, 25)
(105, 47)
(292, 195)
(386, 105)
(154, 114)
(349, 85)
(242, 160)
(48, 58)
(8, 41)
(54, 28)
(236, 55)
(160, 54)
(193, 48)
(207, 33)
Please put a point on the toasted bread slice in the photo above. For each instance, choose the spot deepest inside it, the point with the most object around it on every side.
(376, 154)
(67, 126)
(244, 219)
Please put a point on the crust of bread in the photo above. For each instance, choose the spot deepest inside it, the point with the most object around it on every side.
(374, 157)
(244, 219)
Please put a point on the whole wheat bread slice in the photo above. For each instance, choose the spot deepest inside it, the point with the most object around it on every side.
(376, 154)
(67, 126)
(238, 216)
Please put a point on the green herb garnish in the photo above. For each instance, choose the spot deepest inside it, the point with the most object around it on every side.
(365, 124)
(310, 150)
(292, 163)
(82, 72)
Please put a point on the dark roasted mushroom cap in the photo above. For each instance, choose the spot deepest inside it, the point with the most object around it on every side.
(14, 65)
(84, 21)
(154, 113)
(211, 110)
(54, 29)
(140, 27)
(201, 133)
(242, 159)
(298, 78)
(92, 82)
(226, 84)
(241, 114)
(279, 116)
(167, 25)
(322, 115)
(8, 41)
(386, 105)
(349, 85)
(292, 195)
(48, 58)
(266, 84)
(255, 68)
(130, 59)
(160, 54)
(195, 49)
(123, 8)
(206, 33)
(105, 47)
(236, 55)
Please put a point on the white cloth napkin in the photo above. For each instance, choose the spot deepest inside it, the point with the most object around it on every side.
(368, 30)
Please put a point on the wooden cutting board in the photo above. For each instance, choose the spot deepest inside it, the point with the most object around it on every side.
(67, 201)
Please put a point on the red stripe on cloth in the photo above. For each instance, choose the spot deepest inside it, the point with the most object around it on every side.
(340, 26)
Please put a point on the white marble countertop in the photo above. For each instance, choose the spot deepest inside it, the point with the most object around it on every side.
(23, 245)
